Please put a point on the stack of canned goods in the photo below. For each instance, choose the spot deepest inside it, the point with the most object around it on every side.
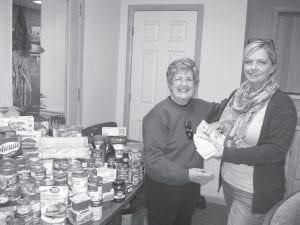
(21, 178)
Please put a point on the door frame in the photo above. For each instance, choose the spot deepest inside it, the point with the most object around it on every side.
(199, 8)
(276, 13)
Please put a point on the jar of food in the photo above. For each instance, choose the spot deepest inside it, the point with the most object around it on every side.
(119, 190)
(122, 172)
(133, 175)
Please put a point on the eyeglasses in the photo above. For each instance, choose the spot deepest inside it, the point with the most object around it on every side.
(268, 42)
(188, 130)
(179, 80)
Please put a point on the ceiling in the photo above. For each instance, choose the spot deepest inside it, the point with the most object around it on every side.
(27, 3)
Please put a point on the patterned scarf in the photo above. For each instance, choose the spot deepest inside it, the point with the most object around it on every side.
(242, 108)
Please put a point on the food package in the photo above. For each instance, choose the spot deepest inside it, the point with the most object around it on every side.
(6, 131)
(83, 217)
(54, 200)
(30, 139)
(42, 126)
(64, 147)
(18, 123)
(10, 146)
(67, 131)
(108, 175)
(64, 142)
(63, 153)
(116, 135)
(80, 202)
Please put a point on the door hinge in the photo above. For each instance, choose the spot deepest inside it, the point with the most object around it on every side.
(132, 31)
(129, 97)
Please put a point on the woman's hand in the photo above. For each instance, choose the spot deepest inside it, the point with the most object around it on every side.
(199, 176)
(219, 151)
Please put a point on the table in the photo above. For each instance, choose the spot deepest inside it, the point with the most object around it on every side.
(111, 211)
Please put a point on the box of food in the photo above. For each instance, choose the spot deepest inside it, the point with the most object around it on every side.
(30, 139)
(10, 146)
(6, 131)
(54, 201)
(18, 123)
(108, 175)
(64, 142)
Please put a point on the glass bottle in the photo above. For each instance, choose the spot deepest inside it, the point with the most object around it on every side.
(109, 152)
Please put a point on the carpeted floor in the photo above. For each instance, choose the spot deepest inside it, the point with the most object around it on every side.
(214, 214)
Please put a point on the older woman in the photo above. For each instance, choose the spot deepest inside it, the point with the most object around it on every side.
(259, 122)
(173, 167)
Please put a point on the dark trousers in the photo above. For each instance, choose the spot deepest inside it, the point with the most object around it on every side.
(170, 204)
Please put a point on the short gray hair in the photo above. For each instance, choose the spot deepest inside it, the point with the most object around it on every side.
(183, 64)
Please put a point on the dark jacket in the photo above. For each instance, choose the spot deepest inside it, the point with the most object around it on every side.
(268, 156)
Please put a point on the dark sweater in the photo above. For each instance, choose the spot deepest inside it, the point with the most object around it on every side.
(168, 154)
(268, 156)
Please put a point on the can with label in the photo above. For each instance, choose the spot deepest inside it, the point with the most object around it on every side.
(27, 186)
(71, 170)
(10, 176)
(38, 172)
(24, 211)
(61, 178)
(23, 171)
(97, 211)
(79, 183)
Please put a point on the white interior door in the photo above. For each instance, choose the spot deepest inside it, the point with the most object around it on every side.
(159, 38)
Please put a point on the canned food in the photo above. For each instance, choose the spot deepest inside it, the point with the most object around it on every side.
(10, 177)
(38, 172)
(93, 190)
(60, 165)
(8, 166)
(4, 200)
(60, 178)
(71, 170)
(79, 183)
(27, 186)
(23, 171)
(16, 221)
(47, 182)
(97, 212)
(48, 164)
(20, 160)
(74, 162)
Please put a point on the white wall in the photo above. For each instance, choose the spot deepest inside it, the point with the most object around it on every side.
(221, 58)
(100, 62)
(6, 98)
